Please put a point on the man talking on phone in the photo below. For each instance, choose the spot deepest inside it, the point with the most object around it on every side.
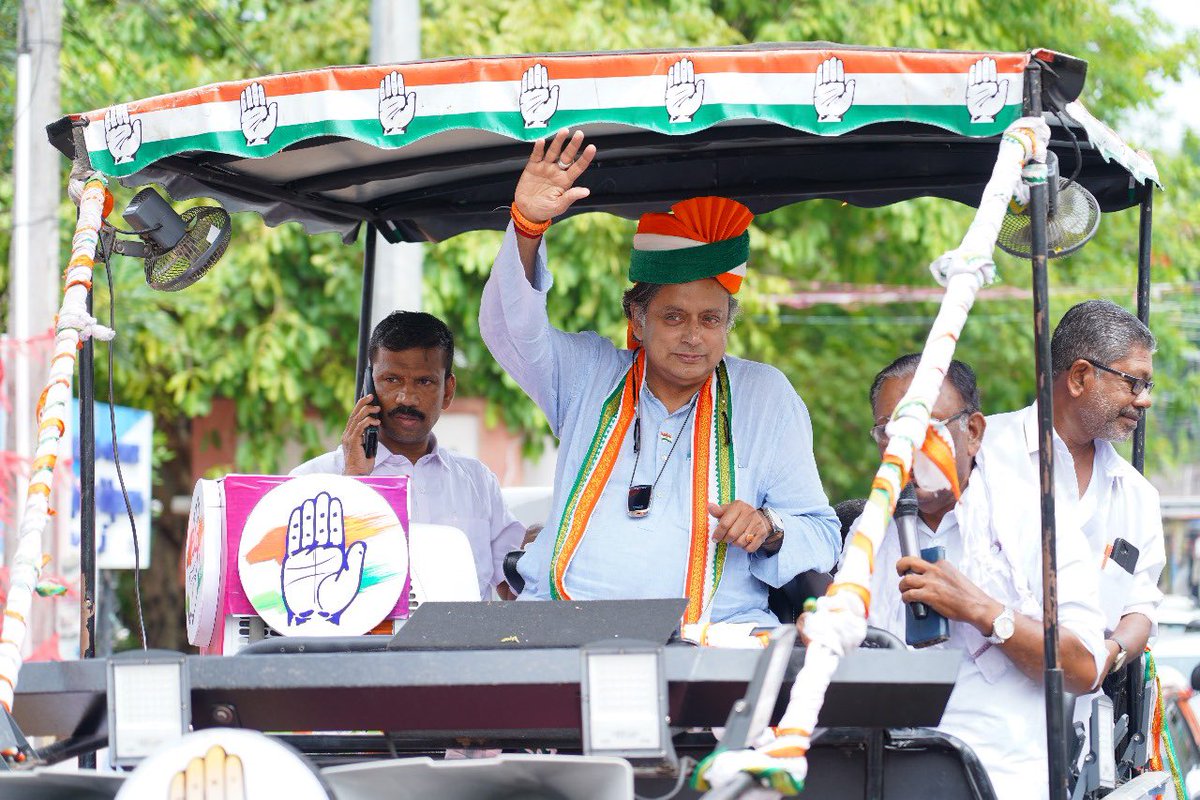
(1102, 359)
(410, 383)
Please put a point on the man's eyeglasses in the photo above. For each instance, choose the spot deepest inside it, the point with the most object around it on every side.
(879, 432)
(1138, 386)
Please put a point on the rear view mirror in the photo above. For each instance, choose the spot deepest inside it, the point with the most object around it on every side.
(1196, 678)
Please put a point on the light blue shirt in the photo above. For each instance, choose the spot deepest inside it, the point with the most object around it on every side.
(569, 375)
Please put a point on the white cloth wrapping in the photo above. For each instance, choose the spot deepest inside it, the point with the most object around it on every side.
(963, 271)
(73, 325)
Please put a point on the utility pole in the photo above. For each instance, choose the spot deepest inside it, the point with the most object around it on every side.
(396, 38)
(33, 261)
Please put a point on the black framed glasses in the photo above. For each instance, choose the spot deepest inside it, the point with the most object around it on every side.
(1138, 386)
(879, 432)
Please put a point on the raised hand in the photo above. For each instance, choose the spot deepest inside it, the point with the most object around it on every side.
(257, 117)
(320, 574)
(833, 94)
(985, 92)
(547, 185)
(122, 135)
(684, 92)
(539, 100)
(396, 109)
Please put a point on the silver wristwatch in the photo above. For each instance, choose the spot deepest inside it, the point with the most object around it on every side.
(1003, 627)
(774, 539)
(1122, 653)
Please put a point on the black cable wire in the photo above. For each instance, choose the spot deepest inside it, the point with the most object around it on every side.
(112, 421)
(136, 231)
(1066, 119)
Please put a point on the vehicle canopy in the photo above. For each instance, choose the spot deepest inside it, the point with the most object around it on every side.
(424, 151)
(427, 150)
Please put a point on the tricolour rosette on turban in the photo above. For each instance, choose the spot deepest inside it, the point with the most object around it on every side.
(705, 237)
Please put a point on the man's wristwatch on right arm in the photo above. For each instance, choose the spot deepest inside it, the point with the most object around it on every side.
(1122, 653)
(774, 539)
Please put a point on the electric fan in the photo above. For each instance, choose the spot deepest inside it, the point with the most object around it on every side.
(178, 249)
(1072, 217)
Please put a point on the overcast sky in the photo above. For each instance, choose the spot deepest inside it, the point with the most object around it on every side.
(1179, 107)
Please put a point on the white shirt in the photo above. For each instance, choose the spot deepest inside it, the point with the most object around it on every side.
(448, 488)
(1118, 502)
(990, 536)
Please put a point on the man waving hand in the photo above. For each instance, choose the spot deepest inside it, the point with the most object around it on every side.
(682, 471)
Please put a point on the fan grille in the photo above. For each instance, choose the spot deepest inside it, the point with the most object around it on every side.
(208, 233)
(1068, 229)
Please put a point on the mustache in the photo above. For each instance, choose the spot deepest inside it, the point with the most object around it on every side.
(1133, 413)
(411, 411)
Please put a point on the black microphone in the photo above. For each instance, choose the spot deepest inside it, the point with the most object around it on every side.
(906, 526)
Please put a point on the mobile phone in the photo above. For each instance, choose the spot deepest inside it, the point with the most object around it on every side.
(1116, 580)
(639, 500)
(370, 436)
(1124, 555)
(932, 628)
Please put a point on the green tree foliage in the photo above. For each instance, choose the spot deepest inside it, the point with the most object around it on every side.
(274, 326)
(831, 353)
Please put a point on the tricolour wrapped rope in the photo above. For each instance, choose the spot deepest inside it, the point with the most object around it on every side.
(73, 325)
(839, 622)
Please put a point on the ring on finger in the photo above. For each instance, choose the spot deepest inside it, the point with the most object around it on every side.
(564, 164)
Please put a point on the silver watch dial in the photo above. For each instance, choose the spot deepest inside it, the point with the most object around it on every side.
(1004, 626)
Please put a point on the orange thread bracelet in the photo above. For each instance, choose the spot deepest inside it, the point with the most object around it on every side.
(526, 227)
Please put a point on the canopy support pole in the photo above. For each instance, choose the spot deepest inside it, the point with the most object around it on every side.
(87, 506)
(1143, 308)
(1056, 737)
(364, 311)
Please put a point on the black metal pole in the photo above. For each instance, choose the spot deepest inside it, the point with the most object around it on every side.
(87, 506)
(1056, 735)
(1143, 307)
(364, 312)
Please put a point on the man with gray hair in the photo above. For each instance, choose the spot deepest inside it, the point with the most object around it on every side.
(1102, 358)
(682, 471)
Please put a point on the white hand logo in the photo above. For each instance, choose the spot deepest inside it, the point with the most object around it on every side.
(319, 572)
(985, 94)
(539, 100)
(122, 135)
(396, 109)
(833, 94)
(684, 92)
(258, 118)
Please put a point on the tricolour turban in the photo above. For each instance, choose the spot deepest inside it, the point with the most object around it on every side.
(705, 237)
